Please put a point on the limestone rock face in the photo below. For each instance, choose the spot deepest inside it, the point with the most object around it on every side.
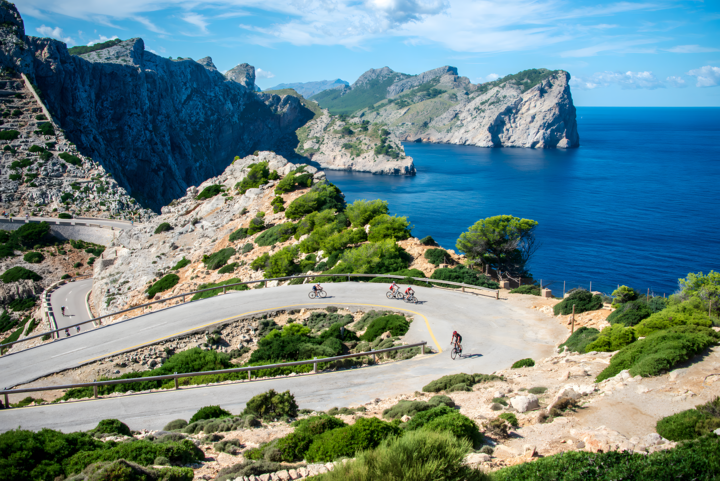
(399, 87)
(323, 142)
(158, 125)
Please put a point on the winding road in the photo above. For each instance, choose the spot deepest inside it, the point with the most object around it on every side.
(495, 334)
(72, 295)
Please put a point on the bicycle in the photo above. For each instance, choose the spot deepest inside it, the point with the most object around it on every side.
(395, 294)
(411, 298)
(317, 294)
(455, 351)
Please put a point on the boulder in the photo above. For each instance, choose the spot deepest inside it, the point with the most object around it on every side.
(525, 403)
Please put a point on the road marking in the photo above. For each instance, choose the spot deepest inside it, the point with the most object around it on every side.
(427, 323)
(68, 352)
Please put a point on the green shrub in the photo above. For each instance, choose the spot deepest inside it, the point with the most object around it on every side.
(527, 289)
(77, 265)
(418, 455)
(209, 192)
(696, 460)
(444, 418)
(258, 174)
(167, 282)
(624, 294)
(163, 228)
(683, 314)
(34, 257)
(22, 304)
(238, 234)
(580, 339)
(445, 382)
(180, 264)
(296, 179)
(396, 324)
(45, 128)
(18, 273)
(282, 263)
(248, 469)
(9, 135)
(278, 204)
(464, 275)
(32, 234)
(527, 362)
(70, 159)
(437, 256)
(278, 233)
(247, 248)
(406, 408)
(228, 268)
(680, 426)
(389, 227)
(366, 433)
(361, 212)
(294, 446)
(210, 412)
(612, 338)
(257, 224)
(376, 257)
(582, 300)
(112, 426)
(629, 313)
(660, 351)
(175, 425)
(218, 259)
(322, 196)
(66, 197)
(272, 405)
(7, 322)
(260, 262)
(208, 294)
(510, 418)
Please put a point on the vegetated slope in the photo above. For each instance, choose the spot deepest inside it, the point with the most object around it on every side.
(308, 89)
(92, 48)
(43, 174)
(532, 108)
(158, 125)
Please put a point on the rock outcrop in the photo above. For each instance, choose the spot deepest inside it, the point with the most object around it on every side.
(404, 85)
(158, 125)
(308, 89)
(328, 143)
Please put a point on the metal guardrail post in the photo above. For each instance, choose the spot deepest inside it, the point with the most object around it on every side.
(315, 366)
(176, 384)
(249, 376)
(374, 357)
(422, 349)
(95, 392)
(497, 295)
(7, 401)
(224, 290)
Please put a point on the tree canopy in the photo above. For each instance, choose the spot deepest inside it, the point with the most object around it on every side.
(503, 243)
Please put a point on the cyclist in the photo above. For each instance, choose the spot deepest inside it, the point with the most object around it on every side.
(77, 328)
(456, 339)
(409, 292)
(394, 287)
(62, 309)
(67, 332)
(317, 288)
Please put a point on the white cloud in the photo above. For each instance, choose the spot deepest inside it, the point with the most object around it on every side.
(691, 49)
(198, 20)
(677, 82)
(55, 33)
(707, 76)
(627, 81)
(260, 73)
(101, 39)
(149, 25)
(489, 77)
(630, 46)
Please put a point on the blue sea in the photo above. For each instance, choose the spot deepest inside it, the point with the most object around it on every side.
(637, 204)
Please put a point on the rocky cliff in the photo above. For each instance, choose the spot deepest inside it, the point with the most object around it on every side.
(331, 143)
(158, 125)
(533, 108)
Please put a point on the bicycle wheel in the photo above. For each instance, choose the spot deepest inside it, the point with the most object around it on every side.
(453, 353)
(311, 295)
(322, 294)
(389, 294)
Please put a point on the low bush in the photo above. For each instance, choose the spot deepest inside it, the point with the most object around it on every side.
(437, 256)
(33, 234)
(163, 227)
(692, 423)
(247, 248)
(271, 406)
(322, 196)
(624, 294)
(415, 456)
(175, 425)
(511, 419)
(464, 275)
(228, 268)
(697, 460)
(248, 469)
(129, 471)
(428, 241)
(180, 264)
(537, 390)
(396, 324)
(630, 313)
(278, 233)
(260, 262)
(258, 174)
(167, 282)
(660, 351)
(219, 285)
(70, 159)
(361, 212)
(443, 418)
(583, 301)
(112, 426)
(257, 224)
(229, 446)
(18, 273)
(499, 428)
(683, 314)
(296, 179)
(446, 382)
(523, 363)
(294, 446)
(209, 412)
(9, 135)
(238, 234)
(527, 289)
(34, 257)
(218, 259)
(612, 338)
(580, 339)
(278, 204)
(319, 321)
(209, 192)
(366, 433)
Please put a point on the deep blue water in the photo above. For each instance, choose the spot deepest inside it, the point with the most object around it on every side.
(636, 204)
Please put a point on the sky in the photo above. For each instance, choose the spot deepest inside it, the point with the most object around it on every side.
(644, 53)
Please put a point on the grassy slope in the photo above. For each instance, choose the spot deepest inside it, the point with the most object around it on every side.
(362, 97)
(98, 46)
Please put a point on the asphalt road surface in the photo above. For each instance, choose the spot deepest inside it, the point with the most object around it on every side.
(72, 295)
(495, 334)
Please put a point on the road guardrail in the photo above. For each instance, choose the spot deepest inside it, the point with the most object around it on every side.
(249, 369)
